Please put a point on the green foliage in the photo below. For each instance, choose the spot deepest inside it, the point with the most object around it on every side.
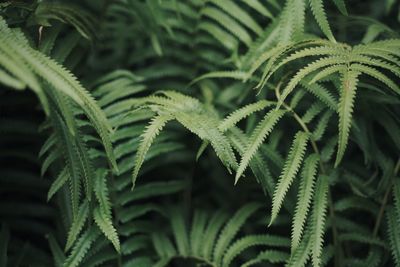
(131, 134)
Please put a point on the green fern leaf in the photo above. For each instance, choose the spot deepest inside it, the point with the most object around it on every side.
(81, 247)
(236, 116)
(106, 226)
(249, 241)
(62, 178)
(319, 13)
(394, 235)
(318, 219)
(77, 224)
(231, 228)
(148, 137)
(345, 110)
(261, 132)
(304, 198)
(289, 172)
(272, 256)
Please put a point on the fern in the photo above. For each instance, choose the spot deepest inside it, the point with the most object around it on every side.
(289, 172)
(304, 198)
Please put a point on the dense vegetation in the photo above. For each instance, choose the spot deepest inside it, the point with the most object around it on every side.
(200, 133)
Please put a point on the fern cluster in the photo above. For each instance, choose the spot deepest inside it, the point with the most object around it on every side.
(200, 133)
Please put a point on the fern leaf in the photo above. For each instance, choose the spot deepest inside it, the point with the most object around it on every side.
(77, 224)
(289, 172)
(58, 254)
(261, 132)
(180, 232)
(396, 197)
(394, 235)
(320, 63)
(231, 228)
(319, 13)
(148, 137)
(62, 178)
(197, 232)
(106, 226)
(345, 110)
(249, 241)
(341, 6)
(236, 116)
(304, 198)
(210, 234)
(272, 256)
(81, 247)
(318, 218)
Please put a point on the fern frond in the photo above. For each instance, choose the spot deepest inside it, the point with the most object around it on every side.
(345, 110)
(272, 256)
(231, 228)
(249, 241)
(61, 179)
(81, 247)
(148, 137)
(77, 224)
(318, 218)
(319, 13)
(289, 172)
(239, 114)
(261, 132)
(394, 234)
(311, 67)
(304, 198)
(180, 232)
(106, 226)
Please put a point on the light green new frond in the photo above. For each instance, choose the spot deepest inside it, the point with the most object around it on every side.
(105, 224)
(77, 224)
(394, 234)
(148, 137)
(319, 14)
(81, 247)
(249, 241)
(239, 114)
(258, 136)
(272, 256)
(304, 197)
(345, 110)
(292, 165)
(231, 228)
(318, 217)
(61, 179)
